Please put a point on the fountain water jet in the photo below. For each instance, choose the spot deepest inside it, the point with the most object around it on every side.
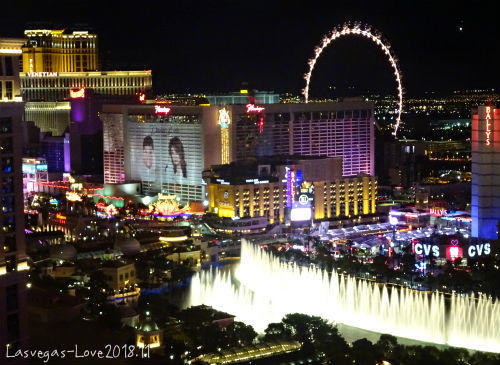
(263, 290)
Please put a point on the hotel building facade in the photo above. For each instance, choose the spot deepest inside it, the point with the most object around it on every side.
(272, 190)
(485, 207)
(13, 260)
(336, 129)
(222, 134)
(57, 51)
(10, 52)
(165, 147)
(56, 86)
(55, 62)
(47, 94)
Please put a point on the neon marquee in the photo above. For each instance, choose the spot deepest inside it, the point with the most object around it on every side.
(42, 74)
(77, 93)
(162, 110)
(437, 212)
(224, 118)
(411, 215)
(488, 126)
(252, 108)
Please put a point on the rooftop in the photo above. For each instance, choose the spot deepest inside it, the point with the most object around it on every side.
(116, 264)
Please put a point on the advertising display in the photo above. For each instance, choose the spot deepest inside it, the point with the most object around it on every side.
(167, 156)
(300, 214)
(454, 249)
(114, 148)
(302, 207)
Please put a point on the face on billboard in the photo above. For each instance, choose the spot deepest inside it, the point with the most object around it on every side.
(148, 152)
(177, 157)
(167, 157)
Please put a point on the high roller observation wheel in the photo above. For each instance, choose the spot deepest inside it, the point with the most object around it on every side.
(366, 32)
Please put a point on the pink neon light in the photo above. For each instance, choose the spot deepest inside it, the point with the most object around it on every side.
(436, 212)
(252, 108)
(162, 110)
(142, 97)
(454, 252)
(411, 215)
(488, 125)
(77, 93)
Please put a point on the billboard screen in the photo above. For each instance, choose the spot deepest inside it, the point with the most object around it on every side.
(167, 157)
(300, 214)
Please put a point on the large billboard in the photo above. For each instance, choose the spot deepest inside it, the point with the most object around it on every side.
(167, 156)
(302, 207)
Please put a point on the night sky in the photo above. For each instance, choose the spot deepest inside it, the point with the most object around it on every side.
(211, 46)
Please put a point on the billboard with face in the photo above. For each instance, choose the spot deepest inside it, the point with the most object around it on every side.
(114, 147)
(167, 157)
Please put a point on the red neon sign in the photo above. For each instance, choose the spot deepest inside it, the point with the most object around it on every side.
(77, 93)
(411, 215)
(252, 108)
(437, 212)
(488, 125)
(454, 251)
(261, 124)
(162, 110)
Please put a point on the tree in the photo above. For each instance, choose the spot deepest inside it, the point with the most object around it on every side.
(386, 346)
(380, 265)
(363, 352)
(242, 334)
(98, 290)
(315, 334)
(277, 331)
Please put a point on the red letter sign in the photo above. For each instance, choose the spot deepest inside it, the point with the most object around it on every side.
(488, 125)
(162, 110)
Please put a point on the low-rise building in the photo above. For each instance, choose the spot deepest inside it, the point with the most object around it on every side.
(148, 333)
(120, 276)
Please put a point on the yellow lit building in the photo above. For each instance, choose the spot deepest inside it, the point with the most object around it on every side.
(57, 51)
(48, 95)
(344, 197)
(10, 52)
(56, 86)
(120, 276)
(147, 333)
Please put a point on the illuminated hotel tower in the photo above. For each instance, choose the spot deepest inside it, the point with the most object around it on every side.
(13, 263)
(55, 51)
(485, 208)
(54, 62)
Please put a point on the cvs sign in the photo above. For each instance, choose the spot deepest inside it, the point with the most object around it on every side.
(480, 249)
(426, 249)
